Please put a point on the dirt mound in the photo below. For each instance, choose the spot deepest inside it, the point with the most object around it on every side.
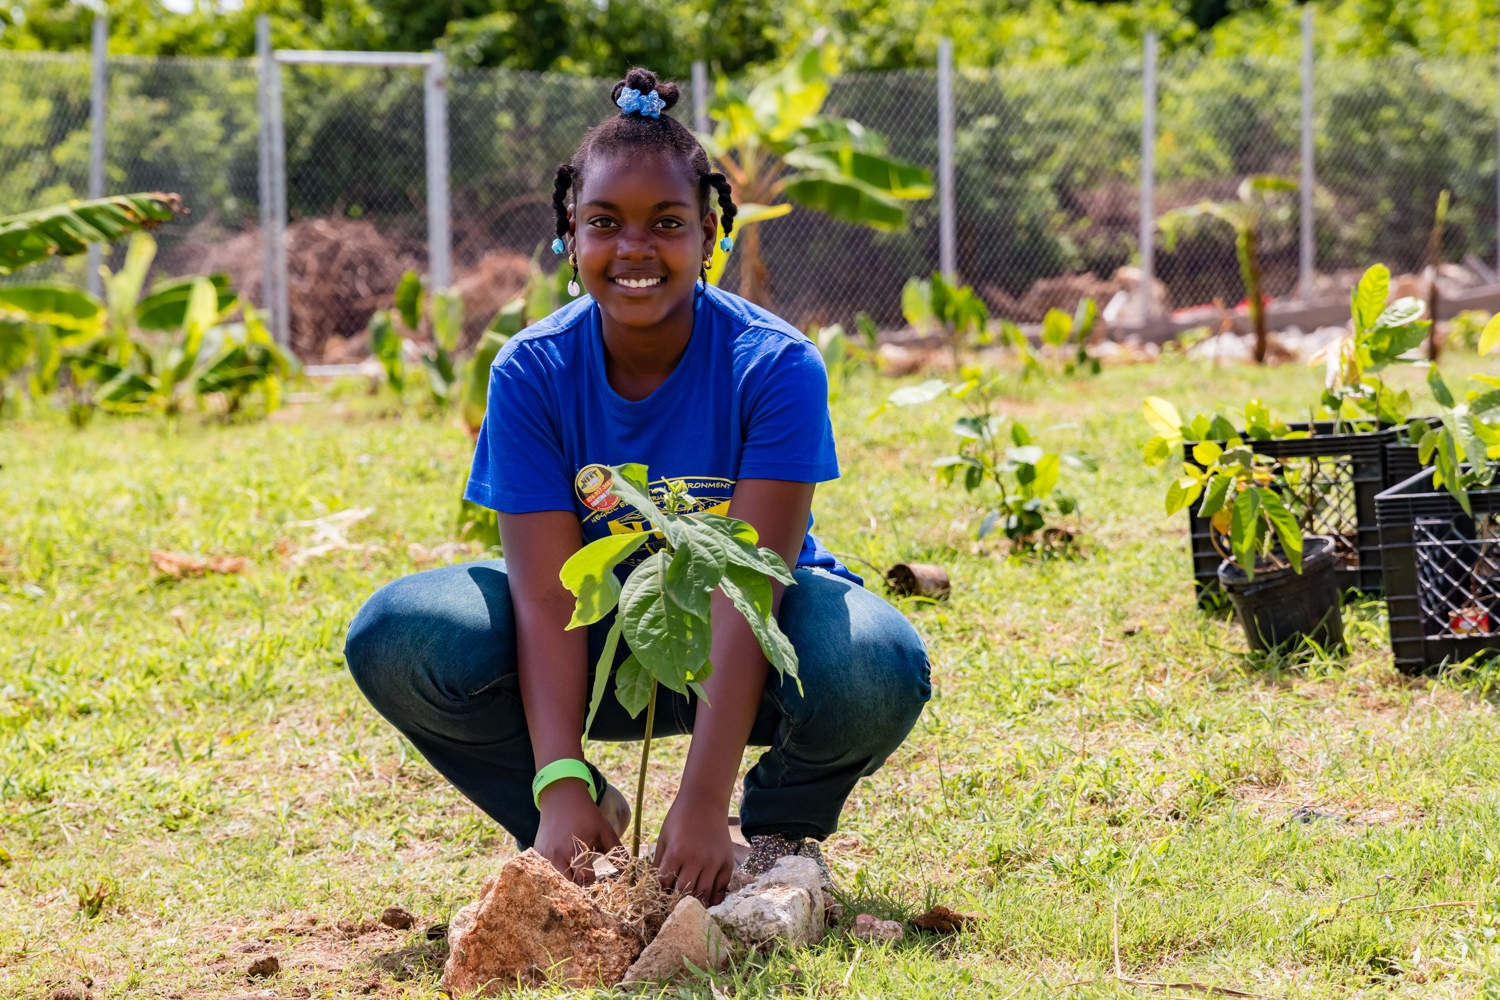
(339, 271)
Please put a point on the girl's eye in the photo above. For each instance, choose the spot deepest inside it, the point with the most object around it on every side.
(670, 223)
(602, 222)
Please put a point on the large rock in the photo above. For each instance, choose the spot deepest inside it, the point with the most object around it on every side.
(785, 905)
(689, 934)
(532, 926)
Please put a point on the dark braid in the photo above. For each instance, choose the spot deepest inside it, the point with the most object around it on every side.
(560, 185)
(635, 130)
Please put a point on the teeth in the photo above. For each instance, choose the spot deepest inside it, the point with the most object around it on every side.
(639, 282)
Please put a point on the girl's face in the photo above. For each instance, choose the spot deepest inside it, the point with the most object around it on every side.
(641, 236)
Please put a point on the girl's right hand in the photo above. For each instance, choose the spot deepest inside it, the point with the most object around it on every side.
(569, 816)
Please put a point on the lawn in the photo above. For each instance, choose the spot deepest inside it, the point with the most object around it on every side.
(190, 781)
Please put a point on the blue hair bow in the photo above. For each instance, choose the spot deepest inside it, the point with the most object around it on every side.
(649, 105)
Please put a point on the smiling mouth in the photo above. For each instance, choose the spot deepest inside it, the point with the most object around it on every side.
(638, 282)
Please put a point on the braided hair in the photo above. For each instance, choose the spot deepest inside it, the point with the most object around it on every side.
(638, 131)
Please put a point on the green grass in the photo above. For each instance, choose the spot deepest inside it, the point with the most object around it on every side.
(189, 779)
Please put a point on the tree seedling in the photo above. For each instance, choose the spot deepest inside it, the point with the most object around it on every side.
(663, 605)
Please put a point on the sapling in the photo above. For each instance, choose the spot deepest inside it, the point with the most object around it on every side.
(664, 602)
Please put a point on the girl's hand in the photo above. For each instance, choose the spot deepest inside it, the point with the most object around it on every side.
(694, 852)
(569, 816)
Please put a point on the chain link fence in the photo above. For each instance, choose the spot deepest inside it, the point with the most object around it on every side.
(1047, 177)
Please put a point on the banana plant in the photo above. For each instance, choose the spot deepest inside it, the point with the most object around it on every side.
(663, 605)
(1256, 205)
(444, 310)
(67, 229)
(773, 142)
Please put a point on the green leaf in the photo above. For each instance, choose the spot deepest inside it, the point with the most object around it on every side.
(54, 304)
(1163, 417)
(630, 484)
(447, 318)
(1439, 388)
(1244, 526)
(385, 344)
(1057, 327)
(67, 229)
(1367, 301)
(1470, 447)
(669, 641)
(601, 673)
(1286, 527)
(881, 173)
(1156, 451)
(915, 395)
(695, 569)
(1083, 318)
(847, 199)
(750, 592)
(1485, 407)
(1213, 502)
(1026, 455)
(166, 307)
(1048, 467)
(633, 683)
(590, 574)
(1206, 453)
(409, 299)
(1401, 312)
(1181, 493)
(1490, 336)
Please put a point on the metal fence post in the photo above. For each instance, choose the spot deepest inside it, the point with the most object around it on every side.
(947, 231)
(281, 313)
(265, 66)
(1148, 179)
(439, 242)
(98, 94)
(1309, 176)
(700, 97)
(1497, 172)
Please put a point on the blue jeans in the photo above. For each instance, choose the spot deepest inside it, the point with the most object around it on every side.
(435, 653)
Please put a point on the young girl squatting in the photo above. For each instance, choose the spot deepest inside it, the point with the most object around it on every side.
(474, 664)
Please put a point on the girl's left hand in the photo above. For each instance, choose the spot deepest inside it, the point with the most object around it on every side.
(694, 852)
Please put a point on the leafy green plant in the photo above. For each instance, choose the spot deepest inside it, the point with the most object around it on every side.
(958, 313)
(1462, 446)
(1023, 474)
(1465, 328)
(1065, 336)
(664, 602)
(1381, 334)
(1256, 205)
(772, 141)
(67, 229)
(842, 355)
(1245, 502)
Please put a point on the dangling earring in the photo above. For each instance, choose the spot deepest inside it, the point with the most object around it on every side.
(573, 289)
(703, 272)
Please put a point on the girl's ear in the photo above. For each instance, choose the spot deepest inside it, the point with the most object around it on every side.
(572, 228)
(710, 233)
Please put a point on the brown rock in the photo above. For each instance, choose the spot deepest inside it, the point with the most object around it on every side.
(690, 934)
(395, 916)
(265, 967)
(72, 993)
(943, 920)
(532, 926)
(871, 928)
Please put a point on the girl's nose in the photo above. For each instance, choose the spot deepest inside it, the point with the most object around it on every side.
(636, 244)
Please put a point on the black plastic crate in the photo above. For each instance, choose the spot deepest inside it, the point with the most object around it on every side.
(1401, 461)
(1442, 572)
(1345, 471)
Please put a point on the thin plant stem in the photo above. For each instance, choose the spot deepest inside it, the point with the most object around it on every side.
(640, 784)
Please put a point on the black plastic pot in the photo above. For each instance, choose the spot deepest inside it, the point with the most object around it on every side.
(1280, 606)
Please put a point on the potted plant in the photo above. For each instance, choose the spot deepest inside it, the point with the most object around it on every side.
(1280, 581)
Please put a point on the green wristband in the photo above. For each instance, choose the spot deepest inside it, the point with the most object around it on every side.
(556, 771)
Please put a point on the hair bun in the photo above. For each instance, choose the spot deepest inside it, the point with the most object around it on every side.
(645, 81)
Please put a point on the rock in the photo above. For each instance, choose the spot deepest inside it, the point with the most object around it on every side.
(532, 926)
(395, 916)
(689, 933)
(871, 928)
(265, 967)
(943, 920)
(72, 993)
(783, 905)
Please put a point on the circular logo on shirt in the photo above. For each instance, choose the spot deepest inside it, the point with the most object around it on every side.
(592, 485)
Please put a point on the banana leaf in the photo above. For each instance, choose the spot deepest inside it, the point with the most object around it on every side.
(54, 304)
(166, 306)
(884, 173)
(847, 199)
(67, 229)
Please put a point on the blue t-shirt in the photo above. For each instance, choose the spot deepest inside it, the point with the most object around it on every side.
(748, 399)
